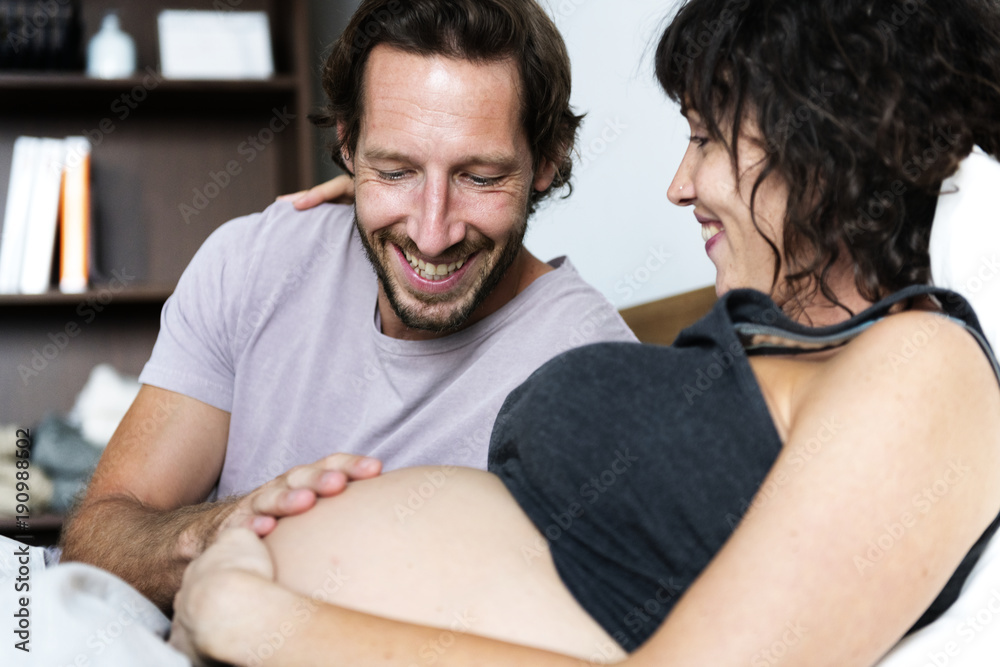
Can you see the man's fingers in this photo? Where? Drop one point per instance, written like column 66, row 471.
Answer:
column 352, row 465
column 281, row 501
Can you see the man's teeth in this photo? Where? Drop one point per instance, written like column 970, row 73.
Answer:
column 709, row 231
column 429, row 271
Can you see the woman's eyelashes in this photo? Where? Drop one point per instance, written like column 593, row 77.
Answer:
column 699, row 140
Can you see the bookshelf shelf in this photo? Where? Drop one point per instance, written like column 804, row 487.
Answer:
column 69, row 82
column 219, row 148
column 145, row 294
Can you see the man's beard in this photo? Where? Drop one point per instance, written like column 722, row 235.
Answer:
column 465, row 303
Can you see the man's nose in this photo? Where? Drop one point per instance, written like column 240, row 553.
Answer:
column 434, row 225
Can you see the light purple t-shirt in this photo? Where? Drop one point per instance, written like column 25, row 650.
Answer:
column 274, row 321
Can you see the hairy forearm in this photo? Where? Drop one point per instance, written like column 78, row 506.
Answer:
column 147, row 547
column 252, row 617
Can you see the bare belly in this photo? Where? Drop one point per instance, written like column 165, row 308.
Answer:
column 444, row 547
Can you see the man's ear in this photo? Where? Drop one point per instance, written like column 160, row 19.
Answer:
column 345, row 154
column 544, row 175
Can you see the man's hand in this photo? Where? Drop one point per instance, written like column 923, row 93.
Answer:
column 143, row 518
column 339, row 190
column 214, row 591
column 292, row 493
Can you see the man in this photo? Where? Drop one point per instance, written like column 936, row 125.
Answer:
column 281, row 345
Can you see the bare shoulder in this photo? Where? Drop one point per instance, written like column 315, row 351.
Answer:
column 917, row 355
column 915, row 382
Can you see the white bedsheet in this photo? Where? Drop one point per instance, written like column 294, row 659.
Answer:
column 78, row 615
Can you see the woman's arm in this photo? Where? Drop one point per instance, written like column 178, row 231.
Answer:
column 230, row 609
column 891, row 471
column 339, row 190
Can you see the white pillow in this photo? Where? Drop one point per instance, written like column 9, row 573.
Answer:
column 965, row 239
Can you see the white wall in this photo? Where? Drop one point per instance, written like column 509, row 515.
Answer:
column 618, row 223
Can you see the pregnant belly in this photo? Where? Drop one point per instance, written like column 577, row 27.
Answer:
column 445, row 547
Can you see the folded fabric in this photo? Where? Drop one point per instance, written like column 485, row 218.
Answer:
column 80, row 615
column 61, row 449
column 102, row 403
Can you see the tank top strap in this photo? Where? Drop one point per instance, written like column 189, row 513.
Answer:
column 763, row 328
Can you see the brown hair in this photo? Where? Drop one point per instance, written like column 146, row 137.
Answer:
column 475, row 30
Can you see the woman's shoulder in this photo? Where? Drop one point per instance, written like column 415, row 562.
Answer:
column 911, row 361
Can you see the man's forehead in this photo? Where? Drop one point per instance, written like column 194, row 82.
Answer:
column 440, row 100
column 454, row 84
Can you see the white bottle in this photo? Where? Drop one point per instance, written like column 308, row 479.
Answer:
column 111, row 52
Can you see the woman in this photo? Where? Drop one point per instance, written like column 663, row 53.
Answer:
column 807, row 475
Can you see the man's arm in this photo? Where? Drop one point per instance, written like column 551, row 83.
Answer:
column 143, row 518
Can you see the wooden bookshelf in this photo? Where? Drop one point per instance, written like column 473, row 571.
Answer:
column 158, row 146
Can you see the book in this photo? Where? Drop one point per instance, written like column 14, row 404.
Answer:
column 15, row 222
column 74, row 270
column 43, row 217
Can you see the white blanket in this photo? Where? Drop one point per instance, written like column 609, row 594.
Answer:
column 76, row 615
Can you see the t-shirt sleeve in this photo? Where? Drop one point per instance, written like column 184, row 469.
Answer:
column 196, row 348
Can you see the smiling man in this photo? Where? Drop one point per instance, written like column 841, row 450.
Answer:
column 392, row 329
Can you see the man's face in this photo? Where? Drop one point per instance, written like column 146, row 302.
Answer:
column 442, row 174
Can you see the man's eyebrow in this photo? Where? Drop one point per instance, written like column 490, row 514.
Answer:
column 497, row 159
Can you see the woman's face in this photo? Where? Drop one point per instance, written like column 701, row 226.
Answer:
column 721, row 201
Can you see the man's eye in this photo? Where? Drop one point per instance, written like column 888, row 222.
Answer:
column 391, row 175
column 483, row 181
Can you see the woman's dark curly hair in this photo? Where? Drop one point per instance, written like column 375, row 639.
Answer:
column 864, row 108
column 481, row 31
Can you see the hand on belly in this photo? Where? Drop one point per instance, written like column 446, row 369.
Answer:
column 445, row 547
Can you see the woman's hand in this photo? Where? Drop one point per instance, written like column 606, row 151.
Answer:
column 339, row 190
column 217, row 592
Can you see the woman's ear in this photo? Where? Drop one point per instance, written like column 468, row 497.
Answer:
column 544, row 175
